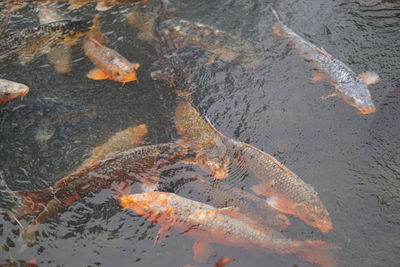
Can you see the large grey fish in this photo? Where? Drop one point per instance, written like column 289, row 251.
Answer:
column 350, row 87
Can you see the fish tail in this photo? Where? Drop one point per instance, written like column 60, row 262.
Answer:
column 314, row 251
column 96, row 33
column 277, row 28
column 32, row 201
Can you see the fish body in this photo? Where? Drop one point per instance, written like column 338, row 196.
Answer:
column 223, row 45
column 41, row 39
column 201, row 136
column 10, row 90
column 139, row 164
column 207, row 224
column 124, row 140
column 61, row 55
column 348, row 86
column 248, row 204
column 288, row 193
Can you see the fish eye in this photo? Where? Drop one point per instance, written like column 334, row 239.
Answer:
column 117, row 73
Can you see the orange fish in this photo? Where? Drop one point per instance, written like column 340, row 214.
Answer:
column 207, row 224
column 124, row 140
column 10, row 90
column 109, row 63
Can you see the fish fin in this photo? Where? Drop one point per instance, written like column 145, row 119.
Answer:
column 259, row 189
column 32, row 201
column 328, row 96
column 162, row 234
column 314, row 251
column 25, row 57
column 201, row 251
column 318, row 76
column 135, row 66
column 102, row 6
column 122, row 189
column 369, row 78
column 96, row 33
column 74, row 5
column 97, row 74
column 322, row 51
column 272, row 201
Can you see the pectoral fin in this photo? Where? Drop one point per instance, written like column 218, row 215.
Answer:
column 328, row 96
column 369, row 77
column 97, row 74
column 102, row 6
column 201, row 251
column 162, row 233
column 318, row 76
column 25, row 57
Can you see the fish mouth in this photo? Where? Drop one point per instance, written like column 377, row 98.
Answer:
column 366, row 110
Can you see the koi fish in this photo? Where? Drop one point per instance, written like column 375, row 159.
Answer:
column 61, row 55
column 41, row 39
column 286, row 191
column 352, row 89
column 123, row 140
column 144, row 22
column 207, row 224
column 10, row 90
column 102, row 5
column 139, row 164
column 247, row 203
column 211, row 153
column 109, row 63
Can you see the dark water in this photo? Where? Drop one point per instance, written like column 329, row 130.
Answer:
column 352, row 160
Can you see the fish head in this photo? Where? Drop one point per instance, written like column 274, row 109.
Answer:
column 122, row 70
column 149, row 204
column 12, row 90
column 314, row 214
column 356, row 94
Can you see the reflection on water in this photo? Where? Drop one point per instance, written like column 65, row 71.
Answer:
column 351, row 160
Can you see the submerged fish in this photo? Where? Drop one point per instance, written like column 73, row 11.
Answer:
column 10, row 90
column 109, row 63
column 211, row 152
column 288, row 193
column 248, row 204
column 207, row 224
column 348, row 86
column 139, row 164
column 61, row 55
column 102, row 5
column 123, row 140
column 41, row 39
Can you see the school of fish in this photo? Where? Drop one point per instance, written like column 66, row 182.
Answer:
column 250, row 219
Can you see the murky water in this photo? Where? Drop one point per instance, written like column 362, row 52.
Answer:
column 351, row 160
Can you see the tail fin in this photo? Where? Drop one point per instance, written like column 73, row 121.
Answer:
column 96, row 33
column 276, row 15
column 315, row 251
column 32, row 201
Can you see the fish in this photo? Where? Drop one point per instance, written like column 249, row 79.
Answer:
column 207, row 224
column 109, row 63
column 126, row 139
column 286, row 191
column 144, row 22
column 247, row 203
column 199, row 135
column 41, row 39
column 10, row 90
column 102, row 5
column 221, row 44
column 138, row 164
column 61, row 55
column 351, row 88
